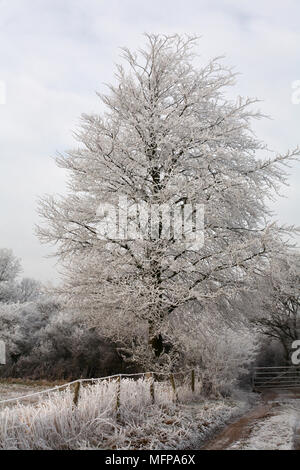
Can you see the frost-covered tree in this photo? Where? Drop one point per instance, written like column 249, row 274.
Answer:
column 279, row 291
column 168, row 136
column 11, row 289
column 28, row 290
column 222, row 354
column 45, row 341
column 42, row 339
column 10, row 267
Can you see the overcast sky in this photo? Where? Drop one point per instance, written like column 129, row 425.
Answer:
column 56, row 53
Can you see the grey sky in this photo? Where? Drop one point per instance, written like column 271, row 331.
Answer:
column 56, row 53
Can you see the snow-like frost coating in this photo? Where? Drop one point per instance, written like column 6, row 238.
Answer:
column 55, row 423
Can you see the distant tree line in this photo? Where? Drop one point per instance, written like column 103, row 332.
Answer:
column 43, row 340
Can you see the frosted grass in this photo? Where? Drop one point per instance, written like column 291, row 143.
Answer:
column 55, row 423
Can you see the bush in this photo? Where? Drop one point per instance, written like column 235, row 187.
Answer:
column 45, row 342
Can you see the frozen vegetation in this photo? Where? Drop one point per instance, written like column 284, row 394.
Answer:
column 56, row 423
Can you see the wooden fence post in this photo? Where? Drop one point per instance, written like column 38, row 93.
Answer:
column 172, row 380
column 193, row 381
column 118, row 400
column 150, row 376
column 76, row 393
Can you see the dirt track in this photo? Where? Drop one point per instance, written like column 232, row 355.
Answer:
column 270, row 425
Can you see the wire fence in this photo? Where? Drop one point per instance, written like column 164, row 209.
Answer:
column 150, row 376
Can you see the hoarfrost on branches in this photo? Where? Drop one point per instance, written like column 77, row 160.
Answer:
column 168, row 136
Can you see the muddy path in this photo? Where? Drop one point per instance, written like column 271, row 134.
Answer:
column 270, row 425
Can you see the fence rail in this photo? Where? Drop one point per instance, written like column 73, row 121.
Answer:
column 150, row 376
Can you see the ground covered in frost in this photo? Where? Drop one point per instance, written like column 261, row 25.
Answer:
column 11, row 389
column 272, row 424
column 275, row 432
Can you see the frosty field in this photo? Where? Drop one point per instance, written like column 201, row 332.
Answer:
column 11, row 389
